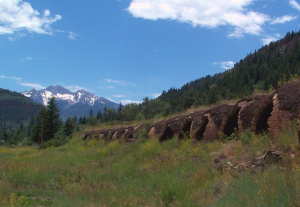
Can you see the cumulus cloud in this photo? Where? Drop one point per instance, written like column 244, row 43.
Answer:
column 283, row 19
column 295, row 4
column 211, row 14
column 19, row 15
column 225, row 65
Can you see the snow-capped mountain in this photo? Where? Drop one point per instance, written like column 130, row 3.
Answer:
column 78, row 103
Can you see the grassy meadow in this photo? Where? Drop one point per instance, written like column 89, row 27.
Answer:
column 149, row 174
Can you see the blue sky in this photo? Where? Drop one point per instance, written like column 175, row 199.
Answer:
column 129, row 49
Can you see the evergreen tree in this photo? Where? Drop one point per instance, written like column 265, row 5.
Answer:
column 53, row 122
column 38, row 134
column 69, row 126
column 47, row 123
column 99, row 116
column 91, row 114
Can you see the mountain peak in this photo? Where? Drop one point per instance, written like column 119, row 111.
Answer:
column 83, row 91
column 70, row 103
column 33, row 90
column 58, row 89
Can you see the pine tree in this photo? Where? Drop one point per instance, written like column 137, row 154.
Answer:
column 47, row 123
column 91, row 114
column 99, row 116
column 53, row 122
column 38, row 134
column 69, row 126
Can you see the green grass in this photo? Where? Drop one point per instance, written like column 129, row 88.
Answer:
column 146, row 173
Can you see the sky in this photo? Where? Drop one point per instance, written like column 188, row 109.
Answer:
column 125, row 50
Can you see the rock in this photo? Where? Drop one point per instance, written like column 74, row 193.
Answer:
column 199, row 122
column 174, row 127
column 123, row 133
column 160, row 131
column 153, row 132
column 254, row 113
column 270, row 157
column 108, row 134
column 222, row 120
column 286, row 107
column 128, row 133
column 259, row 113
column 94, row 135
column 118, row 133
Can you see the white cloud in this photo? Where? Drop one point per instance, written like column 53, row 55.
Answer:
column 32, row 85
column 126, row 102
column 155, row 95
column 72, row 35
column 18, row 15
column 283, row 19
column 108, row 80
column 20, row 81
column 14, row 78
column 119, row 96
column 28, row 58
column 267, row 40
column 109, row 87
column 118, row 99
column 208, row 13
column 118, row 82
column 225, row 65
column 295, row 4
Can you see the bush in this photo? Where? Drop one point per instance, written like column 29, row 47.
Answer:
column 246, row 137
column 59, row 139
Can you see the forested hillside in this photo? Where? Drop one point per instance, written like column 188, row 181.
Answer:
column 16, row 108
column 264, row 69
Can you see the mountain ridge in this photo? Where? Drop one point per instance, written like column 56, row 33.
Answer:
column 263, row 70
column 78, row 103
column 15, row 108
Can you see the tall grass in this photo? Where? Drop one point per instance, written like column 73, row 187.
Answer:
column 145, row 173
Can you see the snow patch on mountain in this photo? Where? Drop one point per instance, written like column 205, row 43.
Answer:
column 62, row 94
column 71, row 104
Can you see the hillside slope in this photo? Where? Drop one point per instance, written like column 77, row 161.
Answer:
column 273, row 113
column 16, row 108
column 265, row 69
